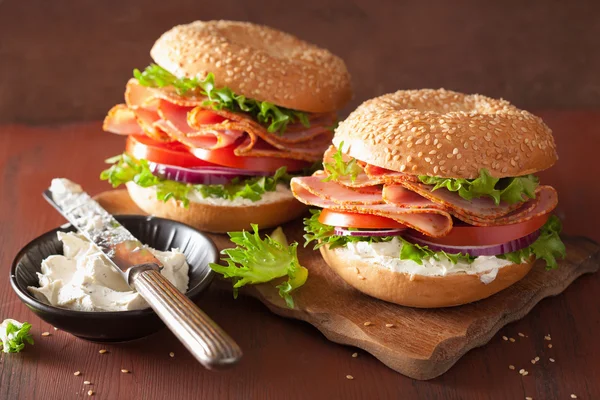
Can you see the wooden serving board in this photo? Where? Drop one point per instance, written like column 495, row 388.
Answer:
column 422, row 344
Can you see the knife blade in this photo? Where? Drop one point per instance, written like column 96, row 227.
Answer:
column 207, row 342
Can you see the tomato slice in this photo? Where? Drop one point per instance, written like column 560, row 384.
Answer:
column 461, row 235
column 172, row 153
column 354, row 220
column 175, row 153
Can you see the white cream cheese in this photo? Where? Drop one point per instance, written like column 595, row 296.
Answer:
column 386, row 255
column 282, row 192
column 83, row 280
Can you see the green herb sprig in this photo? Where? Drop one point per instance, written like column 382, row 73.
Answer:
column 275, row 118
column 510, row 190
column 339, row 168
column 257, row 260
column 14, row 335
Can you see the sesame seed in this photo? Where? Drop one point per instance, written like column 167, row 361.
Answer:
column 551, row 359
column 349, row 377
column 533, row 361
column 528, row 398
column 55, row 328
column 354, row 355
column 389, row 325
column 102, row 351
column 521, row 371
column 125, row 371
column 549, row 345
column 537, row 359
column 77, row 373
column 547, row 337
column 511, row 367
column 573, row 396
column 520, row 334
column 45, row 333
column 87, row 382
column 512, row 340
column 367, row 323
column 171, row 354
column 90, row 392
column 504, row 338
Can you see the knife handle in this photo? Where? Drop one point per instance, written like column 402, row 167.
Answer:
column 211, row 346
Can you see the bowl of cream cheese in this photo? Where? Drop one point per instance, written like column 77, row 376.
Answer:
column 68, row 283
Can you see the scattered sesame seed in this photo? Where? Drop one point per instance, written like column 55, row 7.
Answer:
column 551, row 359
column 549, row 345
column 525, row 373
column 504, row 338
column 171, row 354
column 367, row 323
column 55, row 328
column 87, row 382
column 520, row 334
column 537, row 359
column 547, row 337
column 125, row 371
column 533, row 361
column 77, row 373
column 45, row 333
column 389, row 325
column 349, row 377
column 573, row 396
column 528, row 398
column 354, row 355
column 512, row 340
column 90, row 392
column 521, row 371
column 512, row 367
column 102, row 351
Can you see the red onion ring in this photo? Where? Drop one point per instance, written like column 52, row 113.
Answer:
column 476, row 251
column 209, row 175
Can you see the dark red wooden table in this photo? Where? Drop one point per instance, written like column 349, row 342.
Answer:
column 284, row 358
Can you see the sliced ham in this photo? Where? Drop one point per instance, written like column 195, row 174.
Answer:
column 429, row 221
column 387, row 176
column 336, row 193
column 399, row 195
column 185, row 124
column 174, row 122
column 121, row 120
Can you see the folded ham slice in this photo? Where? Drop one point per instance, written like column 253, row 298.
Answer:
column 433, row 222
column 164, row 115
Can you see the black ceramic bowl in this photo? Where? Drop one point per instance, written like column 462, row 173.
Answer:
column 159, row 233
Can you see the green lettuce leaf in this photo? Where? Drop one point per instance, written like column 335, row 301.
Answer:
column 257, row 260
column 415, row 252
column 547, row 247
column 511, row 190
column 126, row 168
column 340, row 168
column 275, row 118
column 14, row 335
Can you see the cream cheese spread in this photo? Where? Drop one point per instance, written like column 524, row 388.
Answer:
column 83, row 280
column 386, row 255
column 282, row 192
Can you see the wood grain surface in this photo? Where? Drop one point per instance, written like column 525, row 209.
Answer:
column 421, row 344
column 286, row 358
column 65, row 60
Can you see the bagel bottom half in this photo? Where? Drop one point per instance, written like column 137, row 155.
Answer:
column 419, row 290
column 218, row 218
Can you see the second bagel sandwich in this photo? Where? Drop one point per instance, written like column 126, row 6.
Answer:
column 429, row 198
column 229, row 112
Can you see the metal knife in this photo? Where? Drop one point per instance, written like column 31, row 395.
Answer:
column 211, row 346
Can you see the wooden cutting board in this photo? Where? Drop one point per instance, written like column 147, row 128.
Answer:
column 422, row 344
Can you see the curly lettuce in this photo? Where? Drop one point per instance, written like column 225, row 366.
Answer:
column 257, row 260
column 14, row 335
column 340, row 168
column 510, row 190
column 275, row 118
column 548, row 246
column 127, row 168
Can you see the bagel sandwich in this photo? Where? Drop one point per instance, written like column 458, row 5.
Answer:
column 429, row 198
column 220, row 122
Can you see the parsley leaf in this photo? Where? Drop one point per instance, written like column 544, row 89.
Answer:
column 511, row 190
column 275, row 118
column 548, row 246
column 257, row 260
column 340, row 168
column 126, row 168
column 14, row 335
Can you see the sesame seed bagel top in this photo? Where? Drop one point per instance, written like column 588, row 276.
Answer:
column 258, row 62
column 447, row 134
